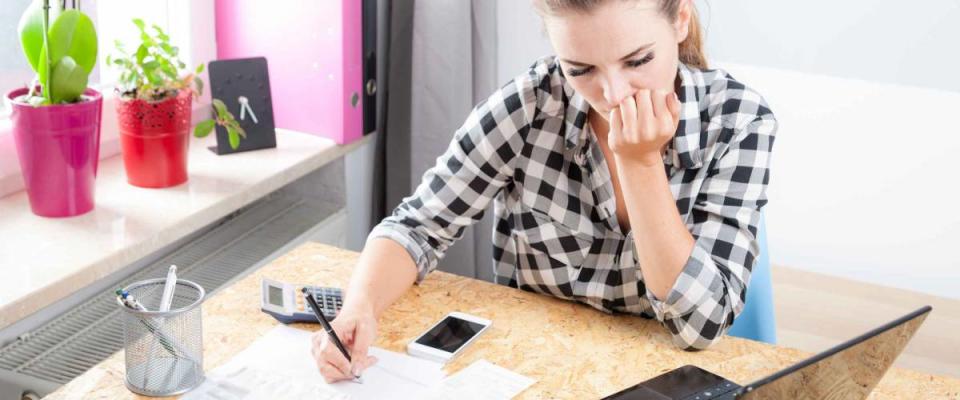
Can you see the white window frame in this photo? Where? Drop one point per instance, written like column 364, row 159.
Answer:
column 191, row 26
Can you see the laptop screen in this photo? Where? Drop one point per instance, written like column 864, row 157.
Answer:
column 848, row 371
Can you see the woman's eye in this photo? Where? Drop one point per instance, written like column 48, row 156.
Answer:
column 632, row 64
column 637, row 63
column 578, row 72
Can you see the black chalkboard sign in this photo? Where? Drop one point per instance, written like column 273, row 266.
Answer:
column 244, row 87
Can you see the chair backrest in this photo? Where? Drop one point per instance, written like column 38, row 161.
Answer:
column 757, row 321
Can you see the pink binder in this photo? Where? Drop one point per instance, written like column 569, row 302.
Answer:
column 314, row 53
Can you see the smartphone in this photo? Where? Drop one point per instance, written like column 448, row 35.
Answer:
column 447, row 338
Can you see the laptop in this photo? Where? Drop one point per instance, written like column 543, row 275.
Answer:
column 848, row 371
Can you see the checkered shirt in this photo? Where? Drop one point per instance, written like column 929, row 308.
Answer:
column 529, row 149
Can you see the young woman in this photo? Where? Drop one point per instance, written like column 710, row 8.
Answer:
column 626, row 176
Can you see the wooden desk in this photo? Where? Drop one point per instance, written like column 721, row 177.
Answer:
column 571, row 350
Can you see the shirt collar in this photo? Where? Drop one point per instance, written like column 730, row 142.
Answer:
column 576, row 110
column 685, row 148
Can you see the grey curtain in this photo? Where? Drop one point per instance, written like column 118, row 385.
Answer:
column 441, row 62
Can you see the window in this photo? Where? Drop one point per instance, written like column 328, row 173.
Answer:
column 113, row 19
column 190, row 25
column 14, row 70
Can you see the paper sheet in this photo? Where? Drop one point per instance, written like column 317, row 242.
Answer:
column 481, row 380
column 279, row 365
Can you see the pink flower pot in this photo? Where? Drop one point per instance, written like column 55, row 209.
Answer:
column 59, row 148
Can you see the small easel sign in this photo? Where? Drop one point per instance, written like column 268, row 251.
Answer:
column 243, row 85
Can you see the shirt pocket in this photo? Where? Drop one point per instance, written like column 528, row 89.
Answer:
column 562, row 245
column 628, row 292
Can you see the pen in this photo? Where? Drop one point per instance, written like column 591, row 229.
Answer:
column 329, row 329
column 127, row 299
column 168, row 287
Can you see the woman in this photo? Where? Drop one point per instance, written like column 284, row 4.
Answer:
column 626, row 175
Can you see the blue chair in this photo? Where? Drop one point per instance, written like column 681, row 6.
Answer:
column 757, row 322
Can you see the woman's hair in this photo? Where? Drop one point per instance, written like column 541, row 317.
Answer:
column 691, row 49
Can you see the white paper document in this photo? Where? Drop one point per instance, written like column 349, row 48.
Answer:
column 481, row 380
column 279, row 365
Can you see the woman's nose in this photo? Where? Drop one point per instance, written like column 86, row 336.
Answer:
column 616, row 89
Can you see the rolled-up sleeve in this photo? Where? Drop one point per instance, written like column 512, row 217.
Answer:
column 709, row 293
column 455, row 192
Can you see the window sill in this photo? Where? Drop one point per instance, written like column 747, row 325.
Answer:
column 56, row 257
column 10, row 179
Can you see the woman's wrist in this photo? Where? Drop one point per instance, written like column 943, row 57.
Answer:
column 651, row 162
column 361, row 304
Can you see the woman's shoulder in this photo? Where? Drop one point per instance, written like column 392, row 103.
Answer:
column 540, row 88
column 544, row 73
column 725, row 100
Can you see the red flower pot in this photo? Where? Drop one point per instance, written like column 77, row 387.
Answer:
column 155, row 138
column 58, row 147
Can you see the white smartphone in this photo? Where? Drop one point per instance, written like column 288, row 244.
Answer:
column 447, row 338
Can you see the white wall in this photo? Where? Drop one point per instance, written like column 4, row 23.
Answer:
column 904, row 42
column 863, row 179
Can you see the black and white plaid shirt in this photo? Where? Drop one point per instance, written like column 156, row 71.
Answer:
column 529, row 148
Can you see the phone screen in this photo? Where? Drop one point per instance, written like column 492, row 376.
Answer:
column 450, row 334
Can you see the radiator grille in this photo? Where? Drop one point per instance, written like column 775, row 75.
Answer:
column 72, row 343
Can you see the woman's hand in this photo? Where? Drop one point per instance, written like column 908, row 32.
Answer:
column 357, row 328
column 642, row 125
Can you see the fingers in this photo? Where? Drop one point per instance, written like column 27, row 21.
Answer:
column 642, row 124
column 646, row 118
column 663, row 119
column 673, row 103
column 658, row 99
column 628, row 110
column 329, row 360
column 333, row 374
column 371, row 360
column 616, row 127
column 364, row 335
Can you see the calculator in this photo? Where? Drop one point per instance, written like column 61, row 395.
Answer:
column 285, row 301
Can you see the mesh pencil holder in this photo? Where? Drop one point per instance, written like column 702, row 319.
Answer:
column 163, row 349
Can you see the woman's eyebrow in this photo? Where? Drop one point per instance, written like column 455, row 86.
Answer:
column 631, row 54
column 637, row 51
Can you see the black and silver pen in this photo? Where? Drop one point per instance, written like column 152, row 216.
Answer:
column 329, row 329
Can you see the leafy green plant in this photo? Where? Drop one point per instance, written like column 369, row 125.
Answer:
column 152, row 73
column 224, row 118
column 62, row 52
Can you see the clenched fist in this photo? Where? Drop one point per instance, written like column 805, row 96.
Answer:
column 642, row 124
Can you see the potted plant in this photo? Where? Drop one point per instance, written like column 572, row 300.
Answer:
column 154, row 110
column 56, row 119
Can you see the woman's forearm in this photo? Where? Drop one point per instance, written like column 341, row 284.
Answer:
column 383, row 273
column 662, row 241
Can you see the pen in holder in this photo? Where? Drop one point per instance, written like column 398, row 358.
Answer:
column 163, row 350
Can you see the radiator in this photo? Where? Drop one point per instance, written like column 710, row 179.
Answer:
column 45, row 358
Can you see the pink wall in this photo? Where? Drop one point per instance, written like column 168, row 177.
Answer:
column 314, row 54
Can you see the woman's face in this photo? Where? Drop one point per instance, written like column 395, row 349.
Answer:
column 618, row 49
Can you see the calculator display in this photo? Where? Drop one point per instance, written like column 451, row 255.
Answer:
column 285, row 302
column 275, row 295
